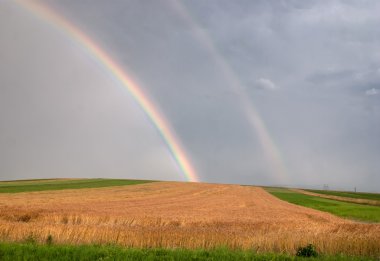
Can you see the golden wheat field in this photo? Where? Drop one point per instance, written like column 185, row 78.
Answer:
column 186, row 215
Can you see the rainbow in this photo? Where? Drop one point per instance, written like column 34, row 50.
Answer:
column 99, row 54
column 269, row 147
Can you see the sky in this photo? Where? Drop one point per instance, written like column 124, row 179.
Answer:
column 257, row 92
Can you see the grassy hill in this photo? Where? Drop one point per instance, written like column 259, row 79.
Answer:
column 60, row 184
column 343, row 209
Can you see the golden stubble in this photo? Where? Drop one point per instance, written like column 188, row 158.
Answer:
column 186, row 215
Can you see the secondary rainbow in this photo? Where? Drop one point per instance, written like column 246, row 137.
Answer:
column 117, row 72
column 253, row 117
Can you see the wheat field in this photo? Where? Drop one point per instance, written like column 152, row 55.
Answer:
column 181, row 215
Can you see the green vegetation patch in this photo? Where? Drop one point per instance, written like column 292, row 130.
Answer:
column 343, row 209
column 360, row 195
column 14, row 251
column 60, row 184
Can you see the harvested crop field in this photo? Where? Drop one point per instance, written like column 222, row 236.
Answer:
column 174, row 214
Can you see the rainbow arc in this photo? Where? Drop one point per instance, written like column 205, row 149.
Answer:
column 114, row 69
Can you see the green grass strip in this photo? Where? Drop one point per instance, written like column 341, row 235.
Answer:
column 360, row 195
column 42, row 185
column 26, row 252
column 342, row 209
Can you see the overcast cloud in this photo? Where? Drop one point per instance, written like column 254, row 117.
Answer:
column 310, row 68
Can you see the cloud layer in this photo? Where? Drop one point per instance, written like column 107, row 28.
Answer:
column 310, row 69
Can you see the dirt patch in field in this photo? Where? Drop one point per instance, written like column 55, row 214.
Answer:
column 174, row 214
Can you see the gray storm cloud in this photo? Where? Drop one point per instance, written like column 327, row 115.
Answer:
column 313, row 67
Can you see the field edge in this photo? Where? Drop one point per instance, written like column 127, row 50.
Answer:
column 32, row 251
column 348, row 210
column 64, row 184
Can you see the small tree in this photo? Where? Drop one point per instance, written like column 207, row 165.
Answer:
column 49, row 240
column 307, row 251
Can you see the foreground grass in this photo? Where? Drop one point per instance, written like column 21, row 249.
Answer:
column 360, row 195
column 339, row 208
column 60, row 184
column 14, row 251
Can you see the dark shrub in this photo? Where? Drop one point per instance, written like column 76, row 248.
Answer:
column 49, row 240
column 307, row 251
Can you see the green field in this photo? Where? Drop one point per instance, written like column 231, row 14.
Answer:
column 343, row 209
column 361, row 195
column 24, row 252
column 60, row 184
